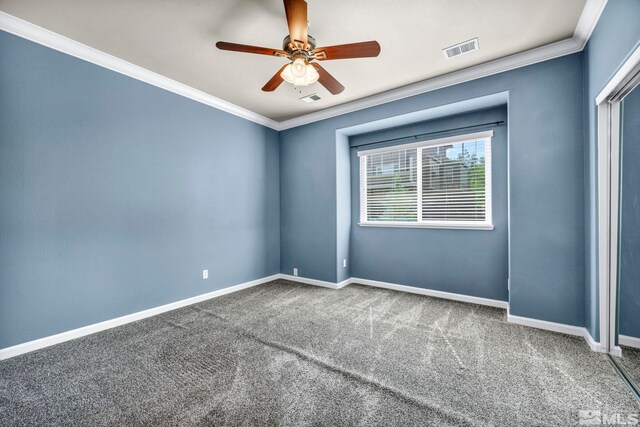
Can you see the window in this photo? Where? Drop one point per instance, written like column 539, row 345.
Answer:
column 442, row 183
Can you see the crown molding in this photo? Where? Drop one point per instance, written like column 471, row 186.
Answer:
column 586, row 24
column 34, row 33
column 588, row 20
column 530, row 57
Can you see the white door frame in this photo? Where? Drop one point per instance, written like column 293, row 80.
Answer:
column 608, row 172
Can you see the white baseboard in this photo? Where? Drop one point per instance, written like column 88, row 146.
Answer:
column 26, row 347
column 549, row 326
column 397, row 287
column 16, row 350
column 595, row 346
column 344, row 283
column 578, row 331
column 431, row 293
column 616, row 351
column 629, row 341
column 314, row 282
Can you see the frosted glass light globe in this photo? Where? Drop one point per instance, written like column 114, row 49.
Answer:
column 308, row 76
column 298, row 68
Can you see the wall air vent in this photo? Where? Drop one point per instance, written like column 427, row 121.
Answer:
column 310, row 98
column 461, row 48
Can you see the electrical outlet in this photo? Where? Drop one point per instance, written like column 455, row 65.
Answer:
column 344, row 263
column 295, row 271
column 205, row 274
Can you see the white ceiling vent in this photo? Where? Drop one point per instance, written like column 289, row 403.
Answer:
column 310, row 98
column 461, row 48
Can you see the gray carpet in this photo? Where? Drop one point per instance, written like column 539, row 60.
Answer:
column 630, row 360
column 290, row 354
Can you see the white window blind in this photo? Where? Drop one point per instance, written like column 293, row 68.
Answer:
column 438, row 183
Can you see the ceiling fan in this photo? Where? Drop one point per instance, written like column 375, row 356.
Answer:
column 300, row 48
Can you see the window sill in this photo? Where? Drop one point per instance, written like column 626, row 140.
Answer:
column 454, row 226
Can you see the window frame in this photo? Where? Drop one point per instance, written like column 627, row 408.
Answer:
column 487, row 224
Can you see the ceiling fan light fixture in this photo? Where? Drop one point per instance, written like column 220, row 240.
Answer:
column 298, row 68
column 300, row 76
column 300, row 48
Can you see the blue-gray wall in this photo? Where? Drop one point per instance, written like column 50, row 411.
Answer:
column 115, row 195
column 468, row 262
column 546, row 157
column 614, row 38
column 113, row 198
column 629, row 294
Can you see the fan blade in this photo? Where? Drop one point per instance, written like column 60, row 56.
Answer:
column 296, row 11
column 327, row 80
column 275, row 81
column 345, row 51
column 250, row 49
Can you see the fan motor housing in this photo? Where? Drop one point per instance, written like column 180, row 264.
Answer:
column 310, row 41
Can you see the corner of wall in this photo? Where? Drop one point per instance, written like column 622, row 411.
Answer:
column 343, row 207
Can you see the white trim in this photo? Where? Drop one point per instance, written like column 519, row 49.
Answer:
column 344, row 283
column 603, row 223
column 525, row 321
column 595, row 346
column 24, row 29
column 619, row 77
column 488, row 181
column 441, row 225
column 577, row 331
column 629, row 341
column 16, row 350
column 562, row 328
column 616, row 351
column 431, row 293
column 487, row 224
column 314, row 282
column 614, row 203
column 588, row 20
column 461, row 138
column 363, row 190
column 518, row 60
column 608, row 182
column 396, row 287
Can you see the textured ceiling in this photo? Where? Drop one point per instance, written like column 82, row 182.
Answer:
column 177, row 39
